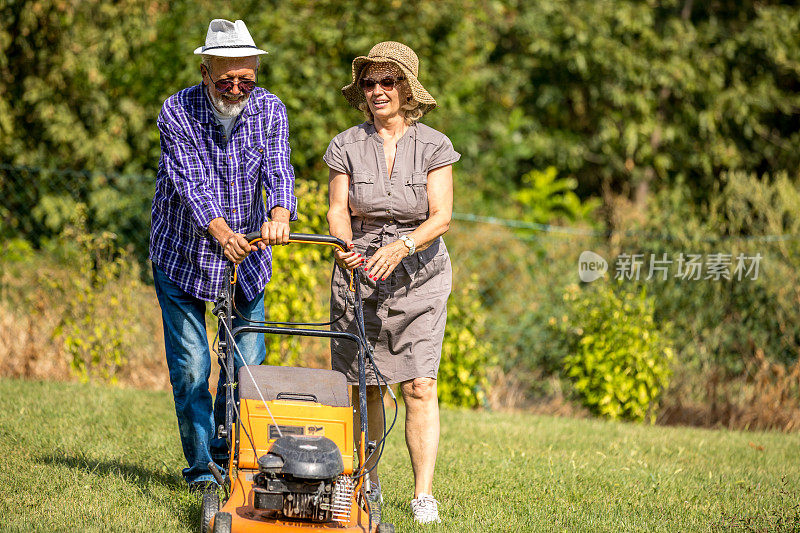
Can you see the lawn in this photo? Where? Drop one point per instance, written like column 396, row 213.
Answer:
column 87, row 458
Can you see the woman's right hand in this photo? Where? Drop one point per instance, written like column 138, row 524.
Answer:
column 348, row 260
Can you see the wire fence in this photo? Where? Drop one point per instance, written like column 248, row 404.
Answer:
column 726, row 295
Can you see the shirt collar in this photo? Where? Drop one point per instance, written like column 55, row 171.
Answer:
column 411, row 132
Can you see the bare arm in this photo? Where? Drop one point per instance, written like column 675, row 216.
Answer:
column 339, row 217
column 440, row 208
column 440, row 212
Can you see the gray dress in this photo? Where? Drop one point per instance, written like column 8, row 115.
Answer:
column 405, row 315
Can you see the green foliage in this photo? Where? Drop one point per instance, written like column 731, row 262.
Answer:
column 466, row 355
column 721, row 325
column 619, row 360
column 545, row 197
column 617, row 92
column 100, row 303
column 627, row 93
column 71, row 94
column 299, row 276
column 17, row 250
column 620, row 96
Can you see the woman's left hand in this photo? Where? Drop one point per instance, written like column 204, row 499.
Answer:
column 385, row 260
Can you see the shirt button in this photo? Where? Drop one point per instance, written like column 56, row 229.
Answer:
column 233, row 210
column 389, row 193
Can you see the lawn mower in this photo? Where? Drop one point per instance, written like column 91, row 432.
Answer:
column 295, row 463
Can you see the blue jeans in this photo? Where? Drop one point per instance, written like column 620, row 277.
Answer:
column 189, row 362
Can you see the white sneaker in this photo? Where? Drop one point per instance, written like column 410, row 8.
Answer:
column 425, row 509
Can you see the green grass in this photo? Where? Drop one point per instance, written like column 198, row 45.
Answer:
column 78, row 457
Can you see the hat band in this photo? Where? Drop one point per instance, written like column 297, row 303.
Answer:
column 229, row 46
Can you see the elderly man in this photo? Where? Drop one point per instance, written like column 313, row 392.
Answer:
column 223, row 142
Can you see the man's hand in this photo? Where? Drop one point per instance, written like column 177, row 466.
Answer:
column 234, row 245
column 276, row 231
column 236, row 248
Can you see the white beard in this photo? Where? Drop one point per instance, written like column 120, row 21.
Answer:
column 226, row 108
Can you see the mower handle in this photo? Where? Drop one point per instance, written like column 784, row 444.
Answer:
column 327, row 240
column 308, row 238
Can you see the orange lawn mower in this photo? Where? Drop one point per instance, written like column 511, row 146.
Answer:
column 295, row 463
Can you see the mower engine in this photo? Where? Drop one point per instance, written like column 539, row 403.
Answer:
column 301, row 478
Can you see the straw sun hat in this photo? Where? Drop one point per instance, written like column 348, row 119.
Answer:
column 390, row 52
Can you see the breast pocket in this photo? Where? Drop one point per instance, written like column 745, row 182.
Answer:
column 416, row 194
column 362, row 189
column 252, row 162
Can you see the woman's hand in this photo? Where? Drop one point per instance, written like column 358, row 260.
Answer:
column 348, row 260
column 385, row 260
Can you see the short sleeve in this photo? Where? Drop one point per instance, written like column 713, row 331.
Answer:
column 334, row 156
column 443, row 155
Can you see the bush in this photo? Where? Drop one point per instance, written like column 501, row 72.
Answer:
column 300, row 276
column 466, row 356
column 101, row 307
column 619, row 361
column 720, row 325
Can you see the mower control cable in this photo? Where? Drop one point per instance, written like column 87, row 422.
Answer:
column 252, row 378
column 367, row 349
column 235, row 407
column 382, row 442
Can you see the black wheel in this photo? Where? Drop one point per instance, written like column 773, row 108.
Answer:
column 222, row 523
column 386, row 528
column 208, row 509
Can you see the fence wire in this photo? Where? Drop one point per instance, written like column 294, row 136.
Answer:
column 726, row 296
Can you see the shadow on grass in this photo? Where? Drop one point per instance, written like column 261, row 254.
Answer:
column 134, row 474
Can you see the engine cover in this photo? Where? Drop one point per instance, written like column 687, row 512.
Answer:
column 303, row 458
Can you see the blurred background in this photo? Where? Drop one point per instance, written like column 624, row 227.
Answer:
column 620, row 127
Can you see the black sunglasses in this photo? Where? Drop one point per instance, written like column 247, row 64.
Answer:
column 224, row 86
column 386, row 83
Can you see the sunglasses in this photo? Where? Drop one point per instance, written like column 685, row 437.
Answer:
column 225, row 86
column 386, row 83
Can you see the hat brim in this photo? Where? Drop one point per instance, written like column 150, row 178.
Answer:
column 230, row 52
column 355, row 95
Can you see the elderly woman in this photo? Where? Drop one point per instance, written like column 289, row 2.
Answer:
column 391, row 199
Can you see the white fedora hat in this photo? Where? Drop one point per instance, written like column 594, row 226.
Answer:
column 228, row 39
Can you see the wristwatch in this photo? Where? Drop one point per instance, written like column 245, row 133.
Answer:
column 409, row 242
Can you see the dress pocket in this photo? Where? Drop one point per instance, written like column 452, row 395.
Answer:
column 429, row 270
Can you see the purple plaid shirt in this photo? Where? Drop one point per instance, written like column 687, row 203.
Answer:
column 202, row 177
